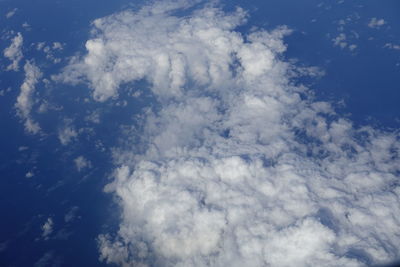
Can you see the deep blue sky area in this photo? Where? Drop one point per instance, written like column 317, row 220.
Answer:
column 363, row 83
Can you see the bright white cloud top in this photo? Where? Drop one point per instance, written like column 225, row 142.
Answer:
column 238, row 167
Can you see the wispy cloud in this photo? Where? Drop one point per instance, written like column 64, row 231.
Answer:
column 25, row 101
column 82, row 163
column 47, row 228
column 11, row 13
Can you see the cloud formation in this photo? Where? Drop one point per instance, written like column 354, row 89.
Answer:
column 25, row 101
column 238, row 166
column 82, row 163
column 14, row 52
column 67, row 133
column 47, row 228
column 376, row 23
column 11, row 13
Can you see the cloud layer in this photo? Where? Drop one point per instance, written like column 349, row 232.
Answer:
column 237, row 166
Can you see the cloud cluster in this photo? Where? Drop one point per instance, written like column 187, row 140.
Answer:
column 14, row 52
column 237, row 166
column 376, row 23
column 25, row 101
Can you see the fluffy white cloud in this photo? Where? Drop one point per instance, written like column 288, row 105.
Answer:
column 376, row 23
column 238, row 167
column 14, row 52
column 47, row 228
column 25, row 101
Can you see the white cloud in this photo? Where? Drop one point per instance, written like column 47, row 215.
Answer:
column 342, row 42
column 93, row 117
column 57, row 46
column 29, row 174
column 14, row 52
column 376, row 23
column 11, row 13
column 352, row 47
column 47, row 228
column 240, row 167
column 23, row 148
column 392, row 46
column 82, row 163
column 71, row 214
column 67, row 133
column 50, row 50
column 25, row 101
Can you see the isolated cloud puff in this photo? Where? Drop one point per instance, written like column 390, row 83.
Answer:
column 82, row 163
column 67, row 133
column 237, row 166
column 14, row 52
column 11, row 13
column 47, row 228
column 25, row 99
column 376, row 23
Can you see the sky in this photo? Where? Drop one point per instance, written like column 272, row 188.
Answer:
column 196, row 133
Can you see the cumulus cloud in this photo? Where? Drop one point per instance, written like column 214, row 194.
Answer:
column 47, row 228
column 25, row 101
column 376, row 23
column 238, row 166
column 82, row 163
column 14, row 52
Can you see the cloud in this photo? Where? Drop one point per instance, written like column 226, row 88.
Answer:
column 376, row 23
column 11, row 13
column 49, row 259
column 342, row 42
column 71, row 214
column 14, row 52
column 47, row 228
column 392, row 46
column 237, row 166
column 25, row 101
column 82, row 163
column 67, row 133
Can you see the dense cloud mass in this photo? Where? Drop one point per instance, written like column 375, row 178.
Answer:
column 238, row 167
